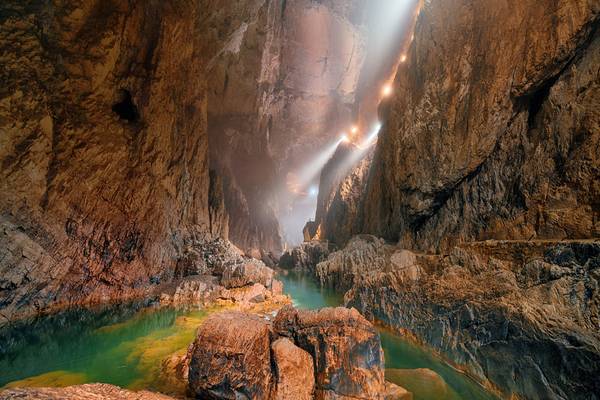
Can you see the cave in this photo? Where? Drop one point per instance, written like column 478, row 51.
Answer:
column 125, row 108
column 333, row 199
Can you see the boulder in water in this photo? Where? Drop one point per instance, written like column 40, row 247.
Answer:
column 231, row 358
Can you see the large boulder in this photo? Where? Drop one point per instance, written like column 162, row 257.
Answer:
column 231, row 358
column 294, row 370
column 346, row 349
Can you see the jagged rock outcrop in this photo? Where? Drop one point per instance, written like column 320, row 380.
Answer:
column 346, row 349
column 306, row 256
column 521, row 315
column 82, row 392
column 104, row 177
column 492, row 130
column 333, row 353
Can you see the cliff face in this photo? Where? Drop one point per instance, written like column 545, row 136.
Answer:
column 281, row 88
column 493, row 128
column 103, row 147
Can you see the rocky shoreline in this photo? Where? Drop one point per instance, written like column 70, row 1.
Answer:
column 289, row 354
column 518, row 316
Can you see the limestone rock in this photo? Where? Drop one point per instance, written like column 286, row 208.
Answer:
column 306, row 256
column 82, row 392
column 488, row 305
column 345, row 347
column 491, row 133
column 294, row 371
column 104, row 150
column 239, row 275
column 231, row 358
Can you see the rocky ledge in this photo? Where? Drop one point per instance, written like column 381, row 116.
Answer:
column 334, row 353
column 217, row 272
column 80, row 392
column 521, row 315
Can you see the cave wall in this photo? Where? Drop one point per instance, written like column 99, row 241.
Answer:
column 281, row 89
column 104, row 148
column 492, row 130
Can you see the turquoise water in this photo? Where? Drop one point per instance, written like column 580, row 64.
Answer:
column 404, row 360
column 123, row 346
column 126, row 346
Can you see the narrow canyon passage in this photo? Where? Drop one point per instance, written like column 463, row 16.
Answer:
column 300, row 199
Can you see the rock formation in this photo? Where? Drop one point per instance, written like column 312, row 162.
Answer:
column 523, row 316
column 104, row 149
column 82, row 392
column 486, row 176
column 487, row 136
column 306, row 256
column 333, row 353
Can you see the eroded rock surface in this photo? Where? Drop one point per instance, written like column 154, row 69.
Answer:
column 522, row 315
column 95, row 391
column 306, row 256
column 294, row 371
column 492, row 131
column 104, row 149
column 231, row 358
column 345, row 346
column 333, row 353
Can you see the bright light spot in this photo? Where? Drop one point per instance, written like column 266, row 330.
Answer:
column 412, row 37
column 387, row 90
column 354, row 129
column 371, row 139
column 313, row 191
column 345, row 138
column 403, row 58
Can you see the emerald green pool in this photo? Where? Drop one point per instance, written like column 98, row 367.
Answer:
column 126, row 345
column 123, row 346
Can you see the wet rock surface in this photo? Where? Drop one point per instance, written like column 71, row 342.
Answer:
column 333, row 353
column 521, row 315
column 82, row 392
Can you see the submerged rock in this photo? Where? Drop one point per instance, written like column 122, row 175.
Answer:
column 427, row 383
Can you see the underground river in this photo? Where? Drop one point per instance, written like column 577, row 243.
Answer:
column 126, row 345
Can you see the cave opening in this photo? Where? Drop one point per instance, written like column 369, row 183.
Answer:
column 125, row 108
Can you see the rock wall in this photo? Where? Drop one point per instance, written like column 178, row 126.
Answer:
column 280, row 90
column 521, row 316
column 492, row 129
column 104, row 148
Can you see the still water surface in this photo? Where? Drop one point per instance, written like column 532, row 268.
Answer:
column 125, row 346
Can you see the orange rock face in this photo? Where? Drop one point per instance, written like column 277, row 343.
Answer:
column 294, row 371
column 231, row 358
column 333, row 353
column 345, row 346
